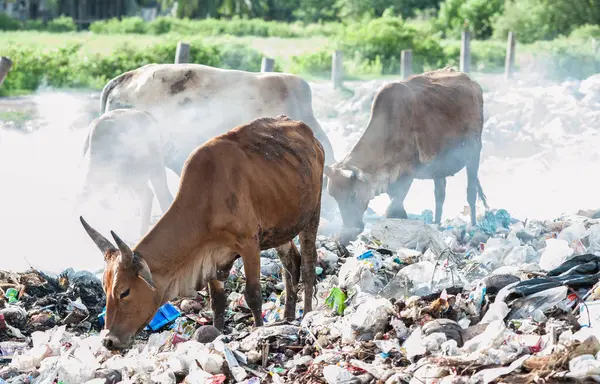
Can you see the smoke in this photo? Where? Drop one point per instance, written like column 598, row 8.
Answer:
column 538, row 161
column 42, row 173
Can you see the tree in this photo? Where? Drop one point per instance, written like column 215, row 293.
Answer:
column 545, row 19
column 312, row 11
column 475, row 15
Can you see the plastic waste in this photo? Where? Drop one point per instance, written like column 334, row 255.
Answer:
column 414, row 345
column 497, row 311
column 412, row 234
column 491, row 221
column 328, row 258
column 573, row 232
column 536, row 304
column 426, row 216
column 594, row 240
column 12, row 295
column 357, row 275
column 337, row 375
column 270, row 267
column 557, row 251
column 371, row 317
column 336, row 300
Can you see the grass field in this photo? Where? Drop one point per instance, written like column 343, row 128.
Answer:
column 105, row 44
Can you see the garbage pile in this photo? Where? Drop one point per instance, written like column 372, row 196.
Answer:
column 407, row 302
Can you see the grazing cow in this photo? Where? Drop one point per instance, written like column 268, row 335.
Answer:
column 125, row 151
column 426, row 127
column 195, row 103
column 253, row 188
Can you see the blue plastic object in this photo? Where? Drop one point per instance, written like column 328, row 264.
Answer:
column 164, row 316
column 426, row 216
column 366, row 255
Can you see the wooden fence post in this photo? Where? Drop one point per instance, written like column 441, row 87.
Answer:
column 182, row 54
column 5, row 65
column 465, row 52
column 337, row 68
column 267, row 64
column 510, row 56
column 405, row 63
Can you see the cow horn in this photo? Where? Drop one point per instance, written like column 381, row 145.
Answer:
column 126, row 254
column 101, row 241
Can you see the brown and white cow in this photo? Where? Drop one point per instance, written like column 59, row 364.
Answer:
column 194, row 103
column 125, row 151
column 426, row 127
column 250, row 189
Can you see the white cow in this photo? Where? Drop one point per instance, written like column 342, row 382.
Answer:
column 194, row 103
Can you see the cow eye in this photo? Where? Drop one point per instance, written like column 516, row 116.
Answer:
column 125, row 293
column 353, row 196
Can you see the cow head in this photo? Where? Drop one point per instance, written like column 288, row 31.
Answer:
column 350, row 187
column 132, row 298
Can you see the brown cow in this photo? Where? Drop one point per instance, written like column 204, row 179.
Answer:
column 125, row 151
column 426, row 127
column 253, row 188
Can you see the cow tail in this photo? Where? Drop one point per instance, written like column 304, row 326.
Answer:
column 108, row 88
column 86, row 145
column 482, row 195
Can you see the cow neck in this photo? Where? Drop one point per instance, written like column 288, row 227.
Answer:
column 166, row 249
column 368, row 154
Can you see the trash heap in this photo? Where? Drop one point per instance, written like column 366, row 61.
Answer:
column 407, row 302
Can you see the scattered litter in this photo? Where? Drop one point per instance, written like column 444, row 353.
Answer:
column 409, row 302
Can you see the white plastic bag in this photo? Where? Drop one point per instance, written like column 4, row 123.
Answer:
column 594, row 239
column 557, row 251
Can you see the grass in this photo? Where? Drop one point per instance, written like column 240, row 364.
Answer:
column 105, row 44
column 16, row 116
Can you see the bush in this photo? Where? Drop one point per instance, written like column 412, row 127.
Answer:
column 527, row 19
column 475, row 15
column 212, row 27
column 65, row 67
column 7, row 23
column 115, row 26
column 486, row 56
column 562, row 58
column 585, row 32
column 317, row 63
column 384, row 38
column 62, row 24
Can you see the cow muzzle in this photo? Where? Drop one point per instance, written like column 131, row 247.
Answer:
column 113, row 343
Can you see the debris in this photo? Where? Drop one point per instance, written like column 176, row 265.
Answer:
column 388, row 310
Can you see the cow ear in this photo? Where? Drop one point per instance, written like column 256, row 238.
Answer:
column 328, row 171
column 143, row 271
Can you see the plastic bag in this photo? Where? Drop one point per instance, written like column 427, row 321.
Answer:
column 336, row 300
column 412, row 234
column 371, row 317
column 354, row 273
column 557, row 251
column 594, row 240
column 573, row 232
column 535, row 305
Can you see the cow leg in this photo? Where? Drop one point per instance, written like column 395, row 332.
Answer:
column 161, row 188
column 144, row 195
column 473, row 183
column 218, row 302
column 290, row 258
column 440, row 196
column 398, row 192
column 251, row 258
column 308, row 238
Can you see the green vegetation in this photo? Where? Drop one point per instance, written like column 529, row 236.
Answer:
column 554, row 35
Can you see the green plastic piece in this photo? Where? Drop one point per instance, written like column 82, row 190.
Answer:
column 336, row 300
